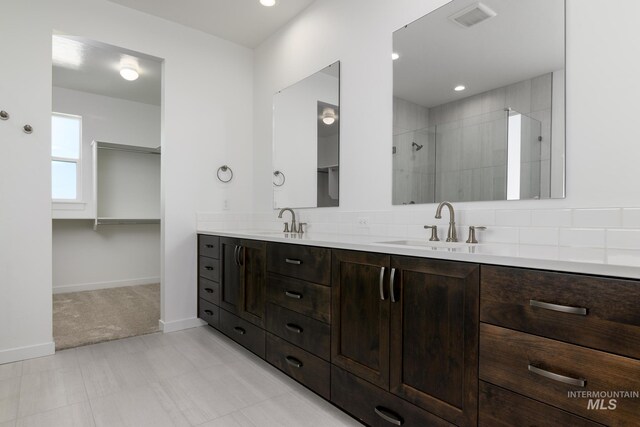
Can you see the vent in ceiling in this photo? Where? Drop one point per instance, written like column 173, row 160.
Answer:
column 472, row 15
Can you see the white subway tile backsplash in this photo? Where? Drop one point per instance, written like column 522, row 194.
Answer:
column 596, row 234
column 551, row 217
column 596, row 218
column 597, row 255
column 623, row 239
column 623, row 257
column 500, row 235
column 539, row 236
column 585, row 237
column 484, row 217
column 515, row 218
column 631, row 217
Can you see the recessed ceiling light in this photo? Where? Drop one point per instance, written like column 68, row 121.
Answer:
column 395, row 56
column 129, row 73
column 459, row 88
column 268, row 3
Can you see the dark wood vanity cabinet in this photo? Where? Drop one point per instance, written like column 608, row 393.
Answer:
column 397, row 340
column 409, row 326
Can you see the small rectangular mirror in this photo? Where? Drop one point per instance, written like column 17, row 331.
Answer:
column 306, row 142
column 479, row 103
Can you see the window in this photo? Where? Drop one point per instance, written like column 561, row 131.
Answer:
column 66, row 143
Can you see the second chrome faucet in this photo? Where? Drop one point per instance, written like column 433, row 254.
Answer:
column 452, row 235
column 295, row 228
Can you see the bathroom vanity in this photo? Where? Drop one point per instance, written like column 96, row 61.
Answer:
column 398, row 335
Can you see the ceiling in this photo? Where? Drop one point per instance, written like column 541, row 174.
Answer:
column 94, row 67
column 524, row 40
column 245, row 22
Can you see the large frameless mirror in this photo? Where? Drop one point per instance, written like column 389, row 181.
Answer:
column 479, row 103
column 306, row 142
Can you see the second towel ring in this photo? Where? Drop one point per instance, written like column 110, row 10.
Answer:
column 223, row 169
column 276, row 173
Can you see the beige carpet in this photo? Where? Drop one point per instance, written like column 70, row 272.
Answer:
column 81, row 318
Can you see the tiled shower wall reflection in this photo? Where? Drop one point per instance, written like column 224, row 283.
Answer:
column 468, row 138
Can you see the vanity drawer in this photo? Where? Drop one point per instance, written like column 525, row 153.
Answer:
column 209, row 246
column 209, row 313
column 310, row 299
column 306, row 368
column 209, row 290
column 304, row 262
column 244, row 333
column 606, row 315
column 305, row 332
column 209, row 268
column 371, row 404
column 546, row 370
column 502, row 408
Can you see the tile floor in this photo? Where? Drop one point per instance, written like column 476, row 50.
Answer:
column 195, row 377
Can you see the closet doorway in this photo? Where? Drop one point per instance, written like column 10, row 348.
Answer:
column 106, row 160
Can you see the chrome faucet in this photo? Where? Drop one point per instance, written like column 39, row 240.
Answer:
column 293, row 221
column 452, row 236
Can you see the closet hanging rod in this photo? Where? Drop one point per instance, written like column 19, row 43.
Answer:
column 129, row 148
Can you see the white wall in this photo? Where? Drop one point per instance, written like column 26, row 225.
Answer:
column 115, row 255
column 207, row 98
column 602, row 134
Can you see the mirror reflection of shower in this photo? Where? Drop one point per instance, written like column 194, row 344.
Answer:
column 418, row 147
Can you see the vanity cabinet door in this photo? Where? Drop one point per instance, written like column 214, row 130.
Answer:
column 360, row 315
column 253, row 279
column 434, row 336
column 230, row 275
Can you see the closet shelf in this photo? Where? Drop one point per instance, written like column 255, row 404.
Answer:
column 124, row 221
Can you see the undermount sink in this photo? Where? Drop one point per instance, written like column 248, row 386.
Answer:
column 429, row 245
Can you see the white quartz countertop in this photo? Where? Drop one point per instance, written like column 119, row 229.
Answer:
column 514, row 255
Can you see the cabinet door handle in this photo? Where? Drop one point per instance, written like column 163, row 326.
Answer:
column 382, row 283
column 240, row 330
column 582, row 311
column 240, row 255
column 208, row 267
column 293, row 295
column 208, row 245
column 578, row 382
column 392, row 285
column 292, row 261
column 209, row 312
column 208, row 290
column 293, row 362
column 294, row 328
column 388, row 415
column 235, row 255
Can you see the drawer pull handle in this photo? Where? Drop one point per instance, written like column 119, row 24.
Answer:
column 293, row 295
column 578, row 382
column 208, row 267
column 388, row 415
column 208, row 290
column 294, row 328
column 292, row 261
column 240, row 330
column 210, row 246
column 293, row 362
column 381, row 283
column 209, row 312
column 561, row 308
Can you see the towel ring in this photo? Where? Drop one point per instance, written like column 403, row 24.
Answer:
column 224, row 168
column 276, row 173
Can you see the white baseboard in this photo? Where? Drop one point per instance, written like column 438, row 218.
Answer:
column 63, row 289
column 28, row 352
column 178, row 325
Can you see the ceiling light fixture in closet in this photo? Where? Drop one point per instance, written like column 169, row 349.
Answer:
column 129, row 73
column 395, row 56
column 328, row 116
column 268, row 3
